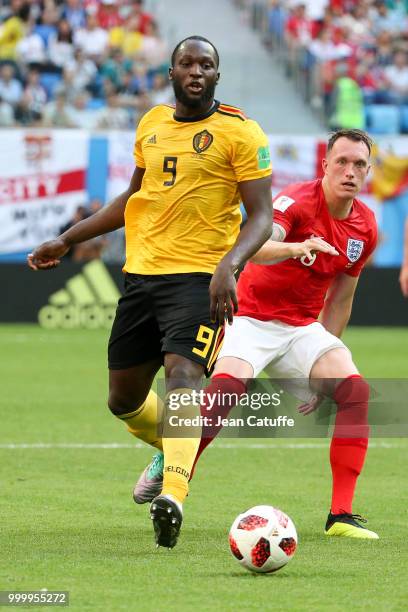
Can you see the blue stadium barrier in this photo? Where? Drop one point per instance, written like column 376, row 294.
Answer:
column 383, row 119
column 391, row 237
column 98, row 168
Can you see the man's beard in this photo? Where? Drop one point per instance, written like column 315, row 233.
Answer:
column 181, row 96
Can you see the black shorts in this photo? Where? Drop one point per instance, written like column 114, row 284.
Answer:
column 164, row 313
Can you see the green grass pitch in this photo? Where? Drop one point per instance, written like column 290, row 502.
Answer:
column 68, row 521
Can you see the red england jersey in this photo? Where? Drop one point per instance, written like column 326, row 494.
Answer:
column 293, row 291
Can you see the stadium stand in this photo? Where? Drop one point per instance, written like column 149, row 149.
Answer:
column 79, row 63
column 320, row 43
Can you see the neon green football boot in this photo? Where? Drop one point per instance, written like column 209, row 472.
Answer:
column 348, row 526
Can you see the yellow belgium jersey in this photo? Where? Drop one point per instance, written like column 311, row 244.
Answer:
column 186, row 215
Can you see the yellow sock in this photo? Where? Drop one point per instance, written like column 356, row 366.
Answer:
column 180, row 442
column 145, row 421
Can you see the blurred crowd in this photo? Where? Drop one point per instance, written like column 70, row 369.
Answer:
column 80, row 63
column 349, row 58
column 111, row 247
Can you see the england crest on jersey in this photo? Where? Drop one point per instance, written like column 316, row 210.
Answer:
column 354, row 249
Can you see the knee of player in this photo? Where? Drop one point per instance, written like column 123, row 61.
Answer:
column 363, row 388
column 352, row 397
column 119, row 403
column 182, row 373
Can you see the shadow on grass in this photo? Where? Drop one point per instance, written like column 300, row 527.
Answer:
column 289, row 573
column 246, row 575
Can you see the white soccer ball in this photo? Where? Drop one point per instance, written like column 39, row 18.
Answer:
column 263, row 539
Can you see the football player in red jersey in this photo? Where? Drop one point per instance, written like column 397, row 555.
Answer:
column 292, row 313
column 295, row 299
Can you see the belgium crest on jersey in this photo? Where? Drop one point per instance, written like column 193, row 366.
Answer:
column 202, row 141
column 354, row 249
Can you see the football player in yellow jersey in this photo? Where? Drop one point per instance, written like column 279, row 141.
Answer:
column 194, row 164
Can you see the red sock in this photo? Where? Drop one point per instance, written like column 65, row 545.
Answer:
column 227, row 390
column 350, row 440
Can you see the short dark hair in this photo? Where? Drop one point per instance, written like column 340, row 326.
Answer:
column 352, row 134
column 194, row 37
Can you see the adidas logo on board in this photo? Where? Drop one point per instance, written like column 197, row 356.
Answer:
column 89, row 301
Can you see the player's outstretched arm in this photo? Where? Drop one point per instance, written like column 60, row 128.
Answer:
column 338, row 304
column 108, row 219
column 257, row 199
column 275, row 251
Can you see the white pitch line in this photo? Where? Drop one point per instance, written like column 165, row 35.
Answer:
column 221, row 445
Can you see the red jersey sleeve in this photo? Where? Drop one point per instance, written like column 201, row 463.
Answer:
column 285, row 211
column 367, row 252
